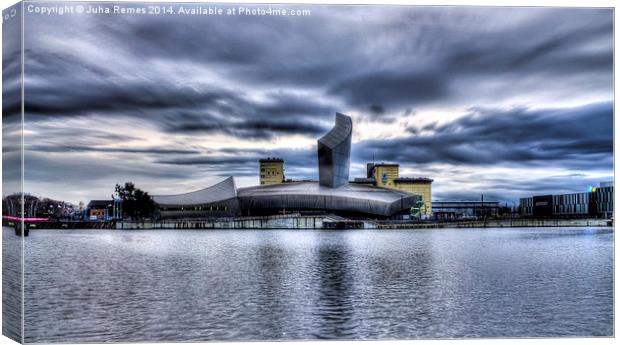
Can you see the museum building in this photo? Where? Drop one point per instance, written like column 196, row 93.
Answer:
column 332, row 194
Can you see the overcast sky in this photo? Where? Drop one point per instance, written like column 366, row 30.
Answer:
column 505, row 102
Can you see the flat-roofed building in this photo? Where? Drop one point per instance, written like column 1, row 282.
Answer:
column 420, row 186
column 596, row 202
column 271, row 171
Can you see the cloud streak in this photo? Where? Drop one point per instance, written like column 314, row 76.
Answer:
column 176, row 100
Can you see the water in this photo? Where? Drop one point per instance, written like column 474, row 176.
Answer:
column 99, row 285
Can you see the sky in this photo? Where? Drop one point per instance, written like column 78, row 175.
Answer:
column 505, row 102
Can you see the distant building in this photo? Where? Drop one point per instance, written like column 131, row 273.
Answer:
column 104, row 210
column 98, row 209
column 597, row 202
column 452, row 210
column 387, row 175
column 271, row 171
column 417, row 185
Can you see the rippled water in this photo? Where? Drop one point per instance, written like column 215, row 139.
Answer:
column 95, row 286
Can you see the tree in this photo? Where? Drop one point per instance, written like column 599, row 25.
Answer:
column 137, row 203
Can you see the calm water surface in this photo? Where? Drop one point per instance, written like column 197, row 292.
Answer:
column 99, row 285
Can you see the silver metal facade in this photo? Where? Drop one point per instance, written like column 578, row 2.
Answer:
column 334, row 151
column 350, row 198
column 215, row 201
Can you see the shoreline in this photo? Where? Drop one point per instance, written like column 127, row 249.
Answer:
column 313, row 222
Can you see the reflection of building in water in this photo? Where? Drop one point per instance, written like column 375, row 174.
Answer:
column 596, row 202
column 335, row 305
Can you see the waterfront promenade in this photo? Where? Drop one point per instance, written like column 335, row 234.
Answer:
column 335, row 222
column 299, row 221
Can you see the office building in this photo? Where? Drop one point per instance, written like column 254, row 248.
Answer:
column 595, row 202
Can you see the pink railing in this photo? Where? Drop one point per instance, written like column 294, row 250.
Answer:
column 25, row 219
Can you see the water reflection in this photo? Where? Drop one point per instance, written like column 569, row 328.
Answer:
column 334, row 307
column 11, row 284
column 94, row 286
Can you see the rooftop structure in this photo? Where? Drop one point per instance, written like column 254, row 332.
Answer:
column 271, row 159
column 334, row 150
column 271, row 171
column 404, row 180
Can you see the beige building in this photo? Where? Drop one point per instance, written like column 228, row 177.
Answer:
column 384, row 174
column 420, row 186
column 387, row 176
column 271, row 171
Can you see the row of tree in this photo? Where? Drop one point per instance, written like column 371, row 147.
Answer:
column 28, row 205
column 137, row 204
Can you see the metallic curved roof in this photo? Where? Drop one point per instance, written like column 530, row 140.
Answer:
column 307, row 195
column 220, row 191
column 314, row 188
column 312, row 195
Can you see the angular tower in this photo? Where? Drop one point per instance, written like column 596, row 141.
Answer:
column 334, row 150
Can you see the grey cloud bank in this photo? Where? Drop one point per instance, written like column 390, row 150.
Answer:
column 165, row 99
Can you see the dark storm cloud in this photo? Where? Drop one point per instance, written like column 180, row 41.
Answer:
column 510, row 189
column 281, row 114
column 175, row 108
column 64, row 148
column 250, row 129
column 82, row 89
column 576, row 137
column 374, row 91
column 300, row 163
column 550, row 46
column 38, row 167
column 371, row 59
column 175, row 80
